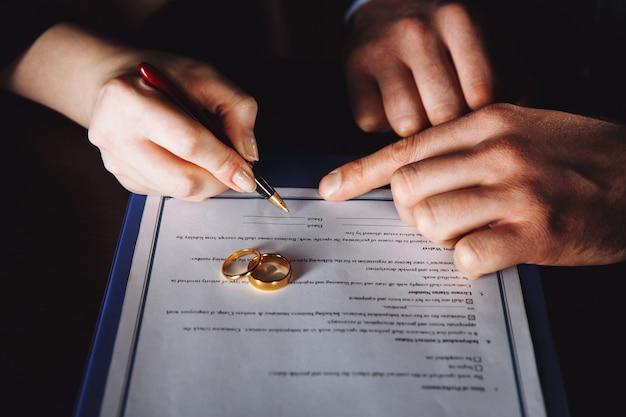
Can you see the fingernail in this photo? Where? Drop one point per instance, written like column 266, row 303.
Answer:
column 330, row 184
column 244, row 181
column 250, row 148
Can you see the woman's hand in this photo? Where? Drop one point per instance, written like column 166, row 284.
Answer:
column 146, row 141
column 412, row 64
column 153, row 147
column 506, row 185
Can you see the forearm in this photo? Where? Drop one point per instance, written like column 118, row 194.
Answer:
column 65, row 68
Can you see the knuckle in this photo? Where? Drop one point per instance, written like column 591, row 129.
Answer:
column 115, row 88
column 403, row 182
column 246, row 104
column 511, row 148
column 513, row 152
column 499, row 114
column 369, row 121
column 112, row 168
column 403, row 152
column 426, row 221
column 113, row 99
column 96, row 137
column 479, row 94
column 357, row 169
column 396, row 96
column 509, row 156
column 188, row 142
column 468, row 256
column 227, row 162
column 444, row 112
column 186, row 186
column 366, row 56
column 541, row 219
column 411, row 28
column 398, row 186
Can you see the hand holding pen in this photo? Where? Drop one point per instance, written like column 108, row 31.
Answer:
column 159, row 81
column 154, row 147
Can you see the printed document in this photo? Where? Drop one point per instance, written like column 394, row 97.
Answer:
column 376, row 322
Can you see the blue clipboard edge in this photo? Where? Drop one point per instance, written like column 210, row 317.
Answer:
column 546, row 358
column 101, row 351
column 96, row 370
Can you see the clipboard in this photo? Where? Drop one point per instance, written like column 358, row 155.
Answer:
column 96, row 369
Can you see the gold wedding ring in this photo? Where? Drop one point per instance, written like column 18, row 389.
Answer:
column 272, row 273
column 233, row 257
column 267, row 271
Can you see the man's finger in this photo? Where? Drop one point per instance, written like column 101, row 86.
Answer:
column 435, row 77
column 489, row 250
column 366, row 102
column 468, row 53
column 401, row 100
column 375, row 170
column 448, row 216
column 420, row 180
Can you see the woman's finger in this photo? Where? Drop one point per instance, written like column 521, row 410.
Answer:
column 170, row 175
column 184, row 137
column 236, row 109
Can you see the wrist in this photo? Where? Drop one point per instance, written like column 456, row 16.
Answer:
column 65, row 68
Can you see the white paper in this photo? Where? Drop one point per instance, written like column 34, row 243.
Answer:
column 376, row 323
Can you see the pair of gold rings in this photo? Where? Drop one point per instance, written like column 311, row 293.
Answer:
column 265, row 271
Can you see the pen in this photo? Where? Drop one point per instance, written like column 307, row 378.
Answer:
column 157, row 80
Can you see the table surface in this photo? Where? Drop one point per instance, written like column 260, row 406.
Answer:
column 63, row 212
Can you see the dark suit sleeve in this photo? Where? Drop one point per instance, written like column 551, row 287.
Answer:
column 20, row 25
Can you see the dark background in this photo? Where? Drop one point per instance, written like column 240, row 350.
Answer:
column 63, row 211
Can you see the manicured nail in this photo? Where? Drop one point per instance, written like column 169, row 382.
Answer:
column 330, row 184
column 250, row 148
column 244, row 181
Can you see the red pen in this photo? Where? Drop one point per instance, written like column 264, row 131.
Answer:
column 157, row 80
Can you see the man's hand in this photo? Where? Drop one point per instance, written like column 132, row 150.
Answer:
column 506, row 185
column 415, row 63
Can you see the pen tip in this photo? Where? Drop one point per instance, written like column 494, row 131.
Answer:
column 276, row 200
